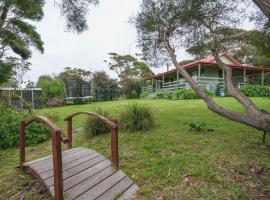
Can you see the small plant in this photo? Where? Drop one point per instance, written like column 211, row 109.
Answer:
column 196, row 126
column 136, row 118
column 94, row 126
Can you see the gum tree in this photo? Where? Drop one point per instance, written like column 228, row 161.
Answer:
column 165, row 25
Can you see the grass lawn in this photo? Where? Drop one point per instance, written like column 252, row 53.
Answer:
column 169, row 161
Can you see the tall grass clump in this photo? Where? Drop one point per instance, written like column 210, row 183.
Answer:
column 94, row 126
column 136, row 118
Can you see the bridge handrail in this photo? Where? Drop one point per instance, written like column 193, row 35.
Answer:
column 57, row 138
column 114, row 133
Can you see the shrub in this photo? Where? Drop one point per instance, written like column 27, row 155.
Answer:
column 160, row 96
column 133, row 94
column 185, row 93
column 256, row 91
column 169, row 95
column 136, row 118
column 9, row 133
column 144, row 94
column 94, row 126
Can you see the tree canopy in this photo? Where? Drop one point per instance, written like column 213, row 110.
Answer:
column 165, row 25
column 127, row 66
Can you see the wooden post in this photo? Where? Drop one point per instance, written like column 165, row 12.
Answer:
column 22, row 144
column 69, row 132
column 156, row 85
column 57, row 165
column 262, row 78
column 114, row 145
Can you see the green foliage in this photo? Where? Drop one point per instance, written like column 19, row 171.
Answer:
column 5, row 71
column 9, row 133
column 94, row 126
column 103, row 87
column 185, row 93
column 182, row 94
column 127, row 66
column 196, row 126
column 160, row 95
column 17, row 34
column 51, row 87
column 136, row 118
column 144, row 94
column 256, row 91
column 131, row 89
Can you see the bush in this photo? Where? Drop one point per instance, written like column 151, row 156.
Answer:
column 144, row 94
column 133, row 94
column 136, row 118
column 185, row 93
column 256, row 91
column 169, row 95
column 160, row 96
column 9, row 133
column 94, row 126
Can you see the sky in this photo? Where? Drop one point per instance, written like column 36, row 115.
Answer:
column 109, row 31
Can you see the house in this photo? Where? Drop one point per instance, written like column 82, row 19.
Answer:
column 208, row 74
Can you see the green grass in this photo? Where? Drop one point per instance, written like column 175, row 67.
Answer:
column 168, row 161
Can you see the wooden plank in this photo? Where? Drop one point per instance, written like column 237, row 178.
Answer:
column 102, row 187
column 84, row 186
column 70, row 164
column 33, row 162
column 116, row 191
column 78, row 178
column 46, row 166
column 129, row 193
column 75, row 170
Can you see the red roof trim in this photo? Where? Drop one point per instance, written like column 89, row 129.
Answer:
column 209, row 64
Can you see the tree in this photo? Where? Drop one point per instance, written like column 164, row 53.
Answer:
column 167, row 24
column 51, row 87
column 264, row 5
column 127, row 66
column 75, row 12
column 130, row 71
column 17, row 35
column 75, row 74
column 249, row 47
column 103, row 83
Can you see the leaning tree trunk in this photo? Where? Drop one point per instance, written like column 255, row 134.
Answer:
column 264, row 5
column 253, row 117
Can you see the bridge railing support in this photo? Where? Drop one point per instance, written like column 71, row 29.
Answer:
column 57, row 138
column 114, row 133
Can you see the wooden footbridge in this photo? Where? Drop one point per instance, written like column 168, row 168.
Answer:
column 78, row 173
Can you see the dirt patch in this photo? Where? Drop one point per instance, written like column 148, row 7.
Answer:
column 254, row 179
